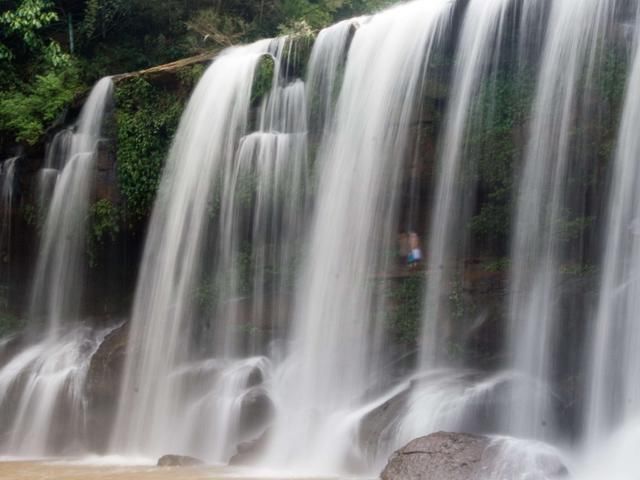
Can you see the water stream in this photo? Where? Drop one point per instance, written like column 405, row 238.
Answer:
column 56, row 293
column 547, row 200
column 42, row 396
column 260, row 321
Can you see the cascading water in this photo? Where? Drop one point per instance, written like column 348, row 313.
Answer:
column 7, row 190
column 263, row 215
column 54, row 161
column 150, row 407
column 335, row 352
column 572, row 50
column 42, row 387
column 475, row 64
column 238, row 196
column 326, row 67
column 57, row 287
column 232, row 341
column 614, row 357
column 42, row 398
column 442, row 398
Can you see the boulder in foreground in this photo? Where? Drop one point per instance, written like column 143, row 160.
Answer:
column 178, row 461
column 461, row 456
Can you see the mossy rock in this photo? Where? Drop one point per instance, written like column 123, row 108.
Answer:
column 263, row 79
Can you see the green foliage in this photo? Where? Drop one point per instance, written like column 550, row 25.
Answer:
column 37, row 79
column 30, row 215
column 216, row 28
column 214, row 287
column 104, row 220
column 498, row 265
column 350, row 8
column 147, row 117
column 9, row 324
column 299, row 44
column 457, row 304
column 613, row 77
column 38, row 76
column 493, row 220
column 297, row 29
column 496, row 142
column 263, row 79
column 404, row 298
column 303, row 14
column 207, row 295
column 190, row 76
column 316, row 14
column 21, row 32
column 104, row 225
column 117, row 36
column 577, row 270
column 100, row 16
column 246, row 187
column 570, row 227
column 25, row 113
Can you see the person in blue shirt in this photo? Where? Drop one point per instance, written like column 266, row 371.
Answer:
column 415, row 253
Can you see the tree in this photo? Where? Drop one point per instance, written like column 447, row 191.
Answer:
column 21, row 33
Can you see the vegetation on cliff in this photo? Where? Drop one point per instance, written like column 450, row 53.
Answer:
column 50, row 50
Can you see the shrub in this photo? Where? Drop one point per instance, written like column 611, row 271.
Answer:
column 147, row 117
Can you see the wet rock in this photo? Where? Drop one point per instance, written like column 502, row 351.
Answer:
column 441, row 456
column 377, row 427
column 256, row 378
column 461, row 456
column 178, row 461
column 247, row 452
column 107, row 365
column 256, row 412
column 103, row 380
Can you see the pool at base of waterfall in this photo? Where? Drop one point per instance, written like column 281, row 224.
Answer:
column 106, row 469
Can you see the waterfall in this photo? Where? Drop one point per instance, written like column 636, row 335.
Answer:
column 237, row 196
column 614, row 357
column 263, row 215
column 150, row 410
column 476, row 60
column 56, row 156
column 7, row 192
column 57, row 287
column 335, row 352
column 42, row 387
column 326, row 67
column 546, row 199
column 42, row 395
column 261, row 321
column 431, row 405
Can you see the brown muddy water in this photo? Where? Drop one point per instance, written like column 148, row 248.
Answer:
column 61, row 470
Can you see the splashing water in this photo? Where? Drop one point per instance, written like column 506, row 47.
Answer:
column 42, row 395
